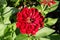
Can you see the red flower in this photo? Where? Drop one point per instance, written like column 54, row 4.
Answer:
column 29, row 21
column 48, row 2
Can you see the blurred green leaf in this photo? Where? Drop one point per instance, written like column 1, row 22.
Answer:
column 50, row 21
column 13, row 0
column 2, row 28
column 44, row 39
column 38, row 0
column 3, row 3
column 14, row 36
column 44, row 32
column 11, row 28
column 14, row 26
column 10, row 37
column 8, row 11
column 53, row 7
column 9, row 32
column 39, row 8
column 53, row 37
column 21, row 37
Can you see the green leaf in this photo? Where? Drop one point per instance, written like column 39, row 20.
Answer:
column 39, row 8
column 44, row 39
column 38, row 0
column 8, row 11
column 9, row 32
column 10, row 28
column 50, row 21
column 44, row 32
column 21, row 37
column 3, row 3
column 53, row 37
column 14, row 35
column 14, row 26
column 13, row 0
column 53, row 7
column 10, row 37
column 2, row 28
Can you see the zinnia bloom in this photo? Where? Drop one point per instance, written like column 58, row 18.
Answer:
column 48, row 2
column 29, row 21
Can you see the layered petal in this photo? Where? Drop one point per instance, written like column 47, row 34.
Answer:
column 29, row 21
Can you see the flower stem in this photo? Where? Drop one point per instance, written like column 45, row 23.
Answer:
column 45, row 7
column 17, row 3
column 28, row 38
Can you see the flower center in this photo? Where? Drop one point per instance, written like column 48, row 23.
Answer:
column 29, row 20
